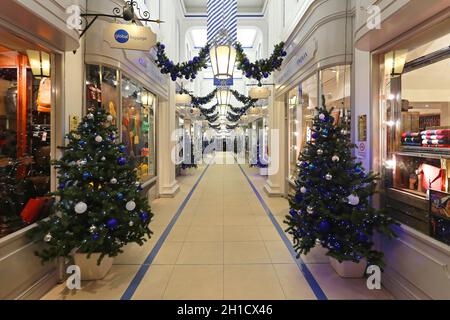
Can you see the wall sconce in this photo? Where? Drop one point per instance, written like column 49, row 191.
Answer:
column 39, row 63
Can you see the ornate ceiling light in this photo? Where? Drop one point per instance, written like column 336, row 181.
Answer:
column 223, row 96
column 259, row 93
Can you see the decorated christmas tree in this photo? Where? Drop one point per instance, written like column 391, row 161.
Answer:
column 100, row 206
column 331, row 204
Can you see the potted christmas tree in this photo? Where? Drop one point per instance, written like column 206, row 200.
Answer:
column 331, row 205
column 100, row 207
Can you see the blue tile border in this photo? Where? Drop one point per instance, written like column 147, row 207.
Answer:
column 315, row 287
column 132, row 287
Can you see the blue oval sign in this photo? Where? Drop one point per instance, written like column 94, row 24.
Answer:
column 121, row 36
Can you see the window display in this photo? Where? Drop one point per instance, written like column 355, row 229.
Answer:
column 138, row 126
column 335, row 85
column 415, row 113
column 302, row 104
column 25, row 137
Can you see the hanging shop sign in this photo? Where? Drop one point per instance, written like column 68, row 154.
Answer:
column 130, row 37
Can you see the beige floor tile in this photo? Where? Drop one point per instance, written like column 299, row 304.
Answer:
column 154, row 283
column 278, row 252
column 249, row 282
column 185, row 220
column 241, row 233
column 245, row 252
column 205, row 233
column 168, row 253
column 195, row 282
column 243, row 209
column 110, row 288
column 269, row 233
column 178, row 233
column 293, row 283
column 201, row 253
column 207, row 220
column 263, row 221
column 239, row 220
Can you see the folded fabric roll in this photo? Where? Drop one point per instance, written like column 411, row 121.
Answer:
column 436, row 132
column 433, row 137
column 428, row 142
column 410, row 134
column 405, row 143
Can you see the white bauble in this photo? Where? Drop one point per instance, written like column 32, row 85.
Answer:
column 322, row 116
column 98, row 139
column 80, row 207
column 131, row 205
column 328, row 176
column 48, row 237
column 92, row 229
column 131, row 223
column 90, row 116
column 335, row 159
column 109, row 118
column 353, row 200
column 303, row 190
column 103, row 159
column 310, row 210
column 320, row 152
column 113, row 181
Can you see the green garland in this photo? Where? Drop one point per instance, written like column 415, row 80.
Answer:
column 262, row 68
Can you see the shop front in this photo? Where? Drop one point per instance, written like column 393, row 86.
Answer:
column 319, row 63
column 410, row 108
column 32, row 106
column 127, row 84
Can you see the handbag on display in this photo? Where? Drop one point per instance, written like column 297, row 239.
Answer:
column 33, row 209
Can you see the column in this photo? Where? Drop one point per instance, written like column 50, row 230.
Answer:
column 276, row 182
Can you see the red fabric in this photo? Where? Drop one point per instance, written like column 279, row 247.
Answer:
column 32, row 209
column 433, row 177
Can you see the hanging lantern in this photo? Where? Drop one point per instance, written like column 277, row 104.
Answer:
column 259, row 93
column 223, row 96
column 223, row 109
column 223, row 59
column 182, row 99
column 39, row 63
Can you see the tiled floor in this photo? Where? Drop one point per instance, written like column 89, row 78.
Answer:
column 223, row 246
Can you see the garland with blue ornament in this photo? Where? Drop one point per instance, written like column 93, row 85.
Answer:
column 185, row 70
column 331, row 204
column 262, row 68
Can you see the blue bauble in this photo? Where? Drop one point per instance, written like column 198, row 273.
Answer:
column 162, row 46
column 284, row 53
column 86, row 175
column 305, row 164
column 265, row 74
column 174, row 78
column 143, row 216
column 358, row 170
column 122, row 161
column 337, row 246
column 325, row 132
column 119, row 196
column 324, row 226
column 293, row 212
column 122, row 148
column 95, row 236
column 312, row 167
column 314, row 135
column 362, row 237
column 61, row 185
column 112, row 224
column 298, row 197
column 82, row 143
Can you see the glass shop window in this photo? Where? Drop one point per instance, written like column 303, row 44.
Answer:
column 302, row 102
column 335, row 85
column 102, row 87
column 25, row 137
column 138, row 131
column 415, row 100
column 415, row 123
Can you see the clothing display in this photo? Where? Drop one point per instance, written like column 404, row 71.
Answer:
column 431, row 177
column 438, row 138
column 44, row 98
